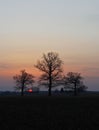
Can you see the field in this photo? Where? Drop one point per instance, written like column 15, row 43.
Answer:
column 50, row 113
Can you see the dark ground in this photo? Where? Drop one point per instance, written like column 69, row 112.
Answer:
column 50, row 113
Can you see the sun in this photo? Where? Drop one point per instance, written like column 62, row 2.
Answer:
column 30, row 90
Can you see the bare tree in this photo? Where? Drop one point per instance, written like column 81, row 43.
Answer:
column 74, row 79
column 23, row 80
column 51, row 66
column 82, row 87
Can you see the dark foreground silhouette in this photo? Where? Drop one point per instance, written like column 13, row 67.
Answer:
column 50, row 113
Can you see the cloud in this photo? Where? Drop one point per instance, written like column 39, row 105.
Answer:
column 4, row 66
column 92, row 69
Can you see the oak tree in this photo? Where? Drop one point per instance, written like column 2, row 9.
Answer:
column 74, row 80
column 51, row 66
column 22, row 80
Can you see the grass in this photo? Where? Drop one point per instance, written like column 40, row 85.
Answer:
column 50, row 113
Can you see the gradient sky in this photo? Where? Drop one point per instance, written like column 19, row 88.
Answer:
column 29, row 28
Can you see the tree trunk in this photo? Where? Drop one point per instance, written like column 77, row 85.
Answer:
column 49, row 93
column 75, row 89
column 50, row 86
column 22, row 93
column 50, row 83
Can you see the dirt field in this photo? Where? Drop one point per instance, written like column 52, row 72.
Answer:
column 50, row 113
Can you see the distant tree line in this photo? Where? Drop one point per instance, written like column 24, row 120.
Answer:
column 52, row 75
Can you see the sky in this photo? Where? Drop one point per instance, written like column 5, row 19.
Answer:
column 29, row 28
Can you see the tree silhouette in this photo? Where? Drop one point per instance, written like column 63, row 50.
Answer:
column 75, row 79
column 23, row 80
column 50, row 65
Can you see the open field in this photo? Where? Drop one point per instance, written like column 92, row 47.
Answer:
column 50, row 113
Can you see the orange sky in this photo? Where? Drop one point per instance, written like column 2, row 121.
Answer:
column 30, row 28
